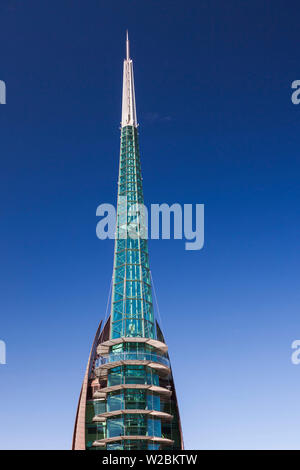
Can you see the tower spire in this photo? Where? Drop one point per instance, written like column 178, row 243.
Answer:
column 128, row 399
column 128, row 99
column 127, row 45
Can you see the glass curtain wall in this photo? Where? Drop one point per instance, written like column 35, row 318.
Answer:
column 132, row 309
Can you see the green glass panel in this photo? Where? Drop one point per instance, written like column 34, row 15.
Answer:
column 134, row 328
column 153, row 402
column 135, row 424
column 154, row 427
column 135, row 399
column 115, row 427
column 115, row 401
column 116, row 329
column 93, row 408
column 135, row 375
column 115, row 376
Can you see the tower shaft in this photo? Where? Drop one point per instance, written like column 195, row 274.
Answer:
column 132, row 307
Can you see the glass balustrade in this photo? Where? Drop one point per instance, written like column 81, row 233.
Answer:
column 132, row 356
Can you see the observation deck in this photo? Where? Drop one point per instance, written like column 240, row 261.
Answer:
column 152, row 413
column 101, row 393
column 154, row 439
column 152, row 360
column 103, row 348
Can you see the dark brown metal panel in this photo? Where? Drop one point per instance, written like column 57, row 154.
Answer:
column 104, row 336
column 78, row 442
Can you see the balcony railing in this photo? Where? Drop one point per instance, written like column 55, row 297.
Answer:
column 132, row 356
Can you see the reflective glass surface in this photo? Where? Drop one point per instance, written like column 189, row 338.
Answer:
column 132, row 309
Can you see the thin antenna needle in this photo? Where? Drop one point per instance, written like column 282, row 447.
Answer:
column 127, row 45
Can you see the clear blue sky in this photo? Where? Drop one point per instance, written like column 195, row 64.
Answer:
column 217, row 126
